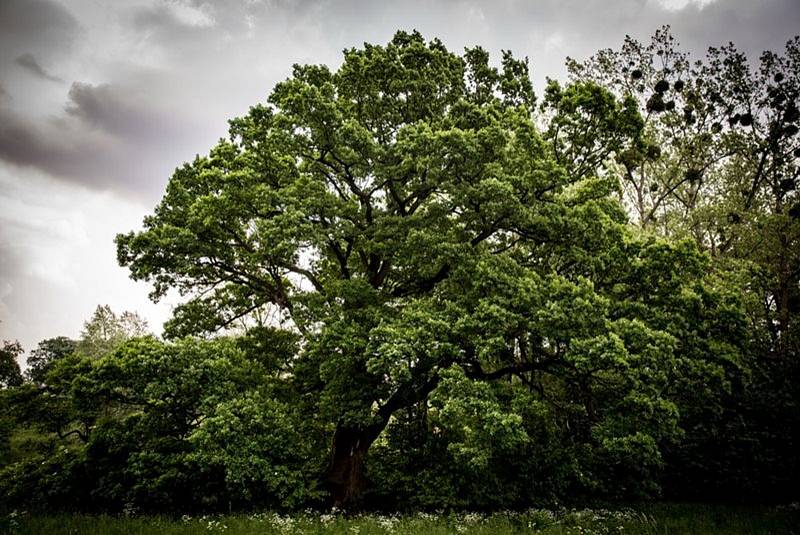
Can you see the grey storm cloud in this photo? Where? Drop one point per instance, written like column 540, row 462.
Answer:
column 161, row 19
column 181, row 69
column 39, row 27
column 19, row 144
column 106, row 138
column 28, row 62
column 119, row 113
column 97, row 105
column 54, row 148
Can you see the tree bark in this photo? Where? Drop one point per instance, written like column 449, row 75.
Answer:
column 346, row 478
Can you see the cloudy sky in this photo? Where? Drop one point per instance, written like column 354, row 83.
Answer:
column 100, row 101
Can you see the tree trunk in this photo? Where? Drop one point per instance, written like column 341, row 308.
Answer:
column 345, row 476
column 346, row 479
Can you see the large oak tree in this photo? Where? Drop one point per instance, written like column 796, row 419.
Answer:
column 408, row 219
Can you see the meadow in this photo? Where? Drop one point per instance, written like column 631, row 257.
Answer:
column 646, row 520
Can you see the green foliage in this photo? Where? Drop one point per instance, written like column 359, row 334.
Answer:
column 46, row 353
column 404, row 215
column 720, row 165
column 407, row 286
column 106, row 330
column 165, row 427
column 10, row 374
column 261, row 445
column 592, row 421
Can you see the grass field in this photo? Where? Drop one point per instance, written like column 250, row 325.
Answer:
column 650, row 519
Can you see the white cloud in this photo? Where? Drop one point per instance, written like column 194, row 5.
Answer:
column 676, row 5
column 554, row 43
column 58, row 258
column 190, row 15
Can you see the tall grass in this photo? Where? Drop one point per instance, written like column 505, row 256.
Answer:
column 649, row 519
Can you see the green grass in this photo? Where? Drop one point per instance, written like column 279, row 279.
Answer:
column 648, row 519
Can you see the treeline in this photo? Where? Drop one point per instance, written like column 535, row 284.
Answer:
column 413, row 285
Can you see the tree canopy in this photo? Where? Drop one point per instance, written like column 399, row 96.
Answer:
column 410, row 221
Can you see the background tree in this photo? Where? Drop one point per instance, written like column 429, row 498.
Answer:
column 106, row 330
column 718, row 161
column 10, row 374
column 10, row 377
column 46, row 354
column 196, row 425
